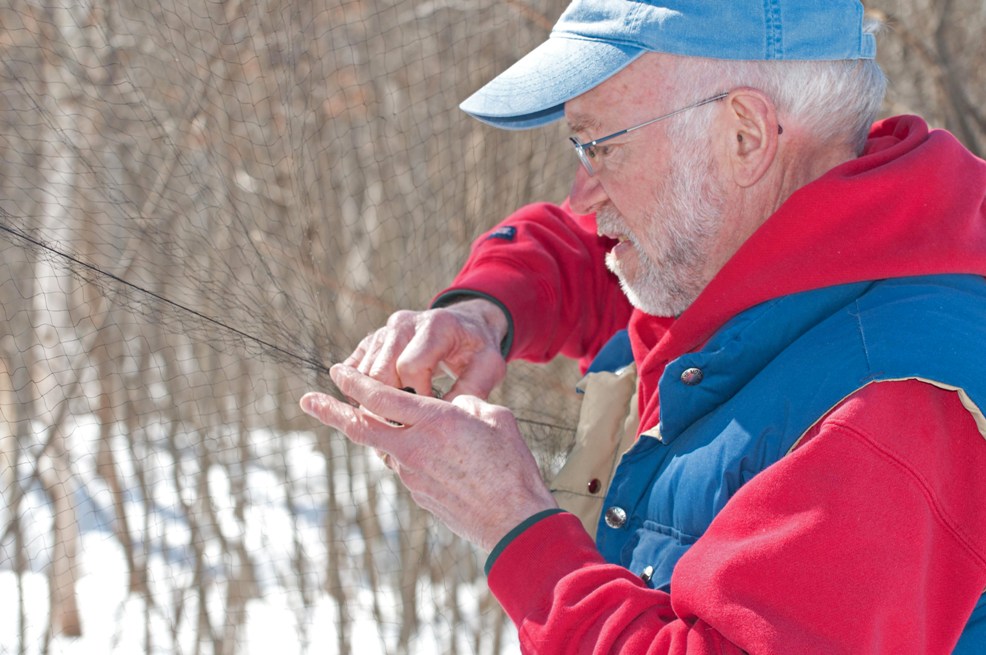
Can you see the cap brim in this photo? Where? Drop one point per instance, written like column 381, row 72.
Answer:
column 533, row 91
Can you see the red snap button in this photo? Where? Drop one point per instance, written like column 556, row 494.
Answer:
column 593, row 485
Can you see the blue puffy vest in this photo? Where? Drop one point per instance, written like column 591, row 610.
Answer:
column 744, row 400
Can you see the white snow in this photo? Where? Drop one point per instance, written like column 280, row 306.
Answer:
column 285, row 489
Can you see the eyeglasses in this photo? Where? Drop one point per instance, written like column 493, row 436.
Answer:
column 587, row 151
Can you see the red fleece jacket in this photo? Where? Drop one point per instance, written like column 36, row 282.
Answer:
column 871, row 536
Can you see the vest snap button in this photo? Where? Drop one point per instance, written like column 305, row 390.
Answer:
column 593, row 486
column 615, row 517
column 692, row 376
column 647, row 574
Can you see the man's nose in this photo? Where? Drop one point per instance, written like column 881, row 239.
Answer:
column 587, row 193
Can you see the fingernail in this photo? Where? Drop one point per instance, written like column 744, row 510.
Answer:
column 311, row 403
column 341, row 370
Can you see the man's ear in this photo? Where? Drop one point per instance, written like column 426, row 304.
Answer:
column 752, row 134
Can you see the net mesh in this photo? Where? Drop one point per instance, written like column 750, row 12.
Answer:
column 202, row 206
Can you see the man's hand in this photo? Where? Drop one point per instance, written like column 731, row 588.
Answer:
column 464, row 461
column 465, row 337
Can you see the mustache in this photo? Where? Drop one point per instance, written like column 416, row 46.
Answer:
column 611, row 222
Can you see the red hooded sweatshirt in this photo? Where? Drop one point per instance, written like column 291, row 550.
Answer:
column 891, row 556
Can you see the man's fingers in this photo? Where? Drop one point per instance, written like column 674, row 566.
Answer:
column 382, row 400
column 408, row 350
column 383, row 367
column 368, row 346
column 357, row 355
column 359, row 426
column 328, row 410
column 417, row 363
column 480, row 378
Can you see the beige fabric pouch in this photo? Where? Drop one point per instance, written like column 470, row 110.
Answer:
column 607, row 428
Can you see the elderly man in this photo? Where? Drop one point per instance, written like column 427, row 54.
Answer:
column 805, row 312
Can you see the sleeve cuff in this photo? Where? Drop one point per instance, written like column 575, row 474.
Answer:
column 457, row 295
column 516, row 532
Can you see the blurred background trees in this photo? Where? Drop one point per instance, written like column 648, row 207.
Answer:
column 204, row 204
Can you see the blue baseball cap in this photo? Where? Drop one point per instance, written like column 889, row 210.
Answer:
column 594, row 39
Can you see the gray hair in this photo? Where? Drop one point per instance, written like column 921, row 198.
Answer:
column 835, row 101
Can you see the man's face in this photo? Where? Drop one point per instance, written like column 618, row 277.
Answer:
column 662, row 258
column 658, row 191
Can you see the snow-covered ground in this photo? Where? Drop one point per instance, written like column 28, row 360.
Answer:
column 276, row 515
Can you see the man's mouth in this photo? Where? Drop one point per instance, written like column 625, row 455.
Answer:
column 616, row 237
column 621, row 247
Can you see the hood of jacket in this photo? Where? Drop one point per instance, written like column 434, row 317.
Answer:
column 914, row 203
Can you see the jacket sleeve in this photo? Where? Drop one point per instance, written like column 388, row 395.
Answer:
column 545, row 266
column 870, row 537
